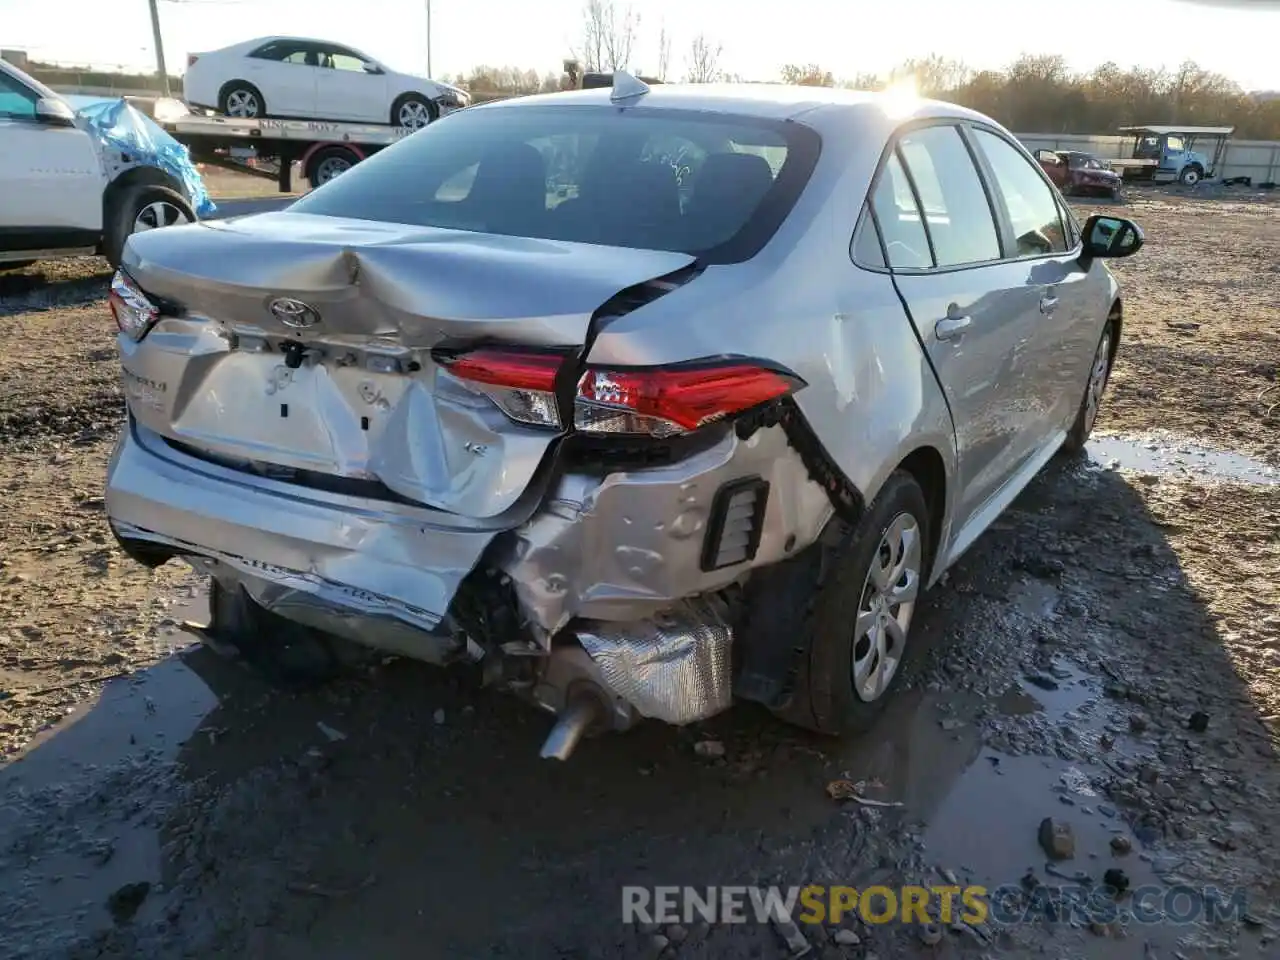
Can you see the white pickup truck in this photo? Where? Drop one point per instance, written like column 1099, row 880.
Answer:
column 67, row 188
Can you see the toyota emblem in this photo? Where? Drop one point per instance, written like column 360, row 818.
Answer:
column 293, row 313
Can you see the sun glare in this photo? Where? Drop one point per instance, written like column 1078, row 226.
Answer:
column 902, row 97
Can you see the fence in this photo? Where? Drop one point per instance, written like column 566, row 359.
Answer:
column 1258, row 159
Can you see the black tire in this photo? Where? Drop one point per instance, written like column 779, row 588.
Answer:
column 1191, row 175
column 828, row 595
column 230, row 94
column 124, row 209
column 328, row 162
column 433, row 112
column 1085, row 420
column 284, row 653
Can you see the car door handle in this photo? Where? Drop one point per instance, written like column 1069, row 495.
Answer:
column 949, row 328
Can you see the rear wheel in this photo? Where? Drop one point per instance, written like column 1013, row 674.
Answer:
column 137, row 209
column 328, row 162
column 242, row 100
column 857, row 616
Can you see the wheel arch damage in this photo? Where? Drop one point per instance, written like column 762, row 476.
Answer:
column 136, row 149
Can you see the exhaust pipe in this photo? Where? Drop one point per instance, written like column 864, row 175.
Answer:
column 578, row 717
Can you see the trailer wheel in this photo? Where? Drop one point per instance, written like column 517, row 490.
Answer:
column 241, row 99
column 328, row 162
column 413, row 111
column 1191, row 175
column 143, row 206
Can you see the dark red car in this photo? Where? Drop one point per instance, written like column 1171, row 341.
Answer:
column 1079, row 173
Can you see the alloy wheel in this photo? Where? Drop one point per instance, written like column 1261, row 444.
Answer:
column 157, row 214
column 888, row 603
column 413, row 114
column 242, row 103
column 1098, row 374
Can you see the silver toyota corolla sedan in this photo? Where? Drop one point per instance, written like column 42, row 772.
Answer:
column 645, row 400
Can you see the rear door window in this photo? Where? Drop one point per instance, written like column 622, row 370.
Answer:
column 905, row 241
column 956, row 210
column 1031, row 203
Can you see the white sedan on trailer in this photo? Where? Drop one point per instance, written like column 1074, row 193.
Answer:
column 313, row 80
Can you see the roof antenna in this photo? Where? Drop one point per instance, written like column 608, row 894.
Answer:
column 625, row 86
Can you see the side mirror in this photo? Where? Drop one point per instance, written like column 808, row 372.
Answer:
column 373, row 68
column 1111, row 237
column 55, row 112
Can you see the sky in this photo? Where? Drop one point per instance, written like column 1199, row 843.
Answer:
column 848, row 37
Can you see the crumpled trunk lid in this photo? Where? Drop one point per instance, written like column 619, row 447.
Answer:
column 347, row 389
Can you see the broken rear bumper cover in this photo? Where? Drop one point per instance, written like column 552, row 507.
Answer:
column 614, row 574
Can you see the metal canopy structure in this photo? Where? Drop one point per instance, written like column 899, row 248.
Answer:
column 1166, row 129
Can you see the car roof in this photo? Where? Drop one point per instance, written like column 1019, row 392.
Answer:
column 765, row 100
column 250, row 44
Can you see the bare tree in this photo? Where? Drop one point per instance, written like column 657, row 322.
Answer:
column 933, row 75
column 664, row 53
column 608, row 35
column 807, row 75
column 704, row 60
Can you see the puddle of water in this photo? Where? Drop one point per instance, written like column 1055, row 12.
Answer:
column 1060, row 692
column 1177, row 458
column 154, row 710
column 79, row 778
column 987, row 831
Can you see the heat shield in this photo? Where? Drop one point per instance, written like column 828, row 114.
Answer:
column 674, row 667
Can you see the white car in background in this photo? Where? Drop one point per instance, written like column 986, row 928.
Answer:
column 77, row 181
column 313, row 80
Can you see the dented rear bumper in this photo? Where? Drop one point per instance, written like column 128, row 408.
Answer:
column 382, row 559
column 604, row 563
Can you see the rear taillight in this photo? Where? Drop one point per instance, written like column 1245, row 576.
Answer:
column 134, row 313
column 640, row 401
column 521, row 382
column 666, row 401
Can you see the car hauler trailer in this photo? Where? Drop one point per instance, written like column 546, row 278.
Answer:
column 322, row 148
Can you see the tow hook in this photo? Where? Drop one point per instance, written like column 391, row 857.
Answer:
column 293, row 351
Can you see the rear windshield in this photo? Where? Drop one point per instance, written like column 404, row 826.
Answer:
column 711, row 185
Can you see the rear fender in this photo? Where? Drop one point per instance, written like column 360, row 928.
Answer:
column 628, row 544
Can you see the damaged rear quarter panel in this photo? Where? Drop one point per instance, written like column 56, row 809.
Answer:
column 627, row 545
column 871, row 398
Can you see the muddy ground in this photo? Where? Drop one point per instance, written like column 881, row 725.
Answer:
column 162, row 801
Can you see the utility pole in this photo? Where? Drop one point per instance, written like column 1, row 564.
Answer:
column 155, row 32
column 428, row 36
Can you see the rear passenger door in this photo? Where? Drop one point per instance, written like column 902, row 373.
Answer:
column 968, row 306
column 1067, row 305
column 286, row 72
column 345, row 90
